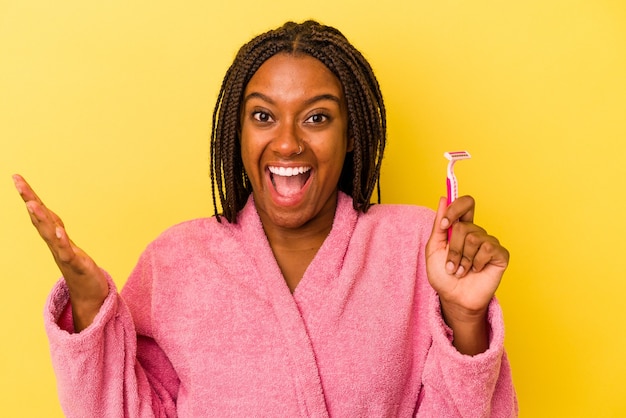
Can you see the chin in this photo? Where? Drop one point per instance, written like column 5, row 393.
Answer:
column 289, row 219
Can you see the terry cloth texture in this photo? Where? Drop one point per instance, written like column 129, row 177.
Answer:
column 206, row 326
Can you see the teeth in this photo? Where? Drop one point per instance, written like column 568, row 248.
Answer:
column 288, row 171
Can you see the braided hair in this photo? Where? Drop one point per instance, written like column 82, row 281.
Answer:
column 366, row 112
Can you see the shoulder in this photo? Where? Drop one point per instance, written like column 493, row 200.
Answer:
column 412, row 211
column 395, row 225
column 194, row 233
column 205, row 236
column 403, row 216
column 190, row 229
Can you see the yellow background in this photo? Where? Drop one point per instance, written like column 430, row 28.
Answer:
column 105, row 108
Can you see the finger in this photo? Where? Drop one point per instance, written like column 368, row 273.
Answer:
column 462, row 209
column 28, row 195
column 52, row 232
column 439, row 235
column 491, row 253
column 64, row 250
column 24, row 189
column 41, row 219
column 465, row 241
column 455, row 249
column 471, row 245
column 48, row 224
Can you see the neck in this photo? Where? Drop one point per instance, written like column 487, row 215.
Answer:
column 295, row 247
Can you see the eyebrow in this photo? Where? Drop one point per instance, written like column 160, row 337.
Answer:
column 307, row 102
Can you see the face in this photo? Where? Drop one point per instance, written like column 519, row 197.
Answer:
column 294, row 140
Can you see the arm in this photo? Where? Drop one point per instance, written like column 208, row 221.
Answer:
column 459, row 385
column 107, row 369
column 103, row 367
column 86, row 283
column 465, row 272
column 466, row 372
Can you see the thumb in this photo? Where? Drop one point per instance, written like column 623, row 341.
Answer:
column 439, row 235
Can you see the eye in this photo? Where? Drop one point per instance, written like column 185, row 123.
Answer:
column 261, row 116
column 317, row 118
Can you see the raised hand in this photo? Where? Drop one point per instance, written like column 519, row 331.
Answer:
column 86, row 282
column 465, row 272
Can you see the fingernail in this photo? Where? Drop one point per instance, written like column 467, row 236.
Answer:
column 59, row 232
column 17, row 186
column 30, row 208
column 450, row 267
column 460, row 271
column 445, row 223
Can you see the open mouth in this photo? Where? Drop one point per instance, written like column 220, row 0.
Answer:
column 288, row 181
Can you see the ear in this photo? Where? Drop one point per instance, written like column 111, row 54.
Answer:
column 350, row 145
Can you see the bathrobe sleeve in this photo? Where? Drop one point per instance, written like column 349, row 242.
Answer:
column 108, row 370
column 457, row 385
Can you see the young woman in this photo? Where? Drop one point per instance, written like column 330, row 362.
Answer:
column 301, row 298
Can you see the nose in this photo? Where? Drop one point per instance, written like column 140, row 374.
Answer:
column 287, row 140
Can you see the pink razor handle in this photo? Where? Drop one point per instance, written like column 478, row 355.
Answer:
column 451, row 182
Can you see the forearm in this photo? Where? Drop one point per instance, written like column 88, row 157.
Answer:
column 83, row 313
column 98, row 371
column 470, row 330
column 458, row 385
column 87, row 298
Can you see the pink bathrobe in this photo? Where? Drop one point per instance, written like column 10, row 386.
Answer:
column 206, row 326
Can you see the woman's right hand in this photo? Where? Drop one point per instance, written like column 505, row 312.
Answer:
column 86, row 282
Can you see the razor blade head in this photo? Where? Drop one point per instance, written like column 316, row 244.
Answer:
column 457, row 155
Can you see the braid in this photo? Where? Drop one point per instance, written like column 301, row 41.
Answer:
column 366, row 113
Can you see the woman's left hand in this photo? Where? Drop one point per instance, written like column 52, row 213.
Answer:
column 465, row 271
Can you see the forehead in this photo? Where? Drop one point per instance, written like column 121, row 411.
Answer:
column 290, row 76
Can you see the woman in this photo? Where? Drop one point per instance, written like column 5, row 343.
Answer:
column 306, row 300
